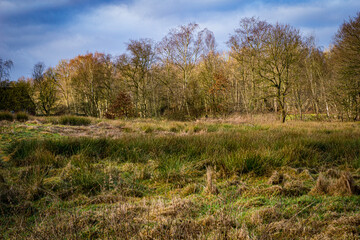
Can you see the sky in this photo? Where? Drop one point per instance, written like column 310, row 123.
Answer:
column 50, row 30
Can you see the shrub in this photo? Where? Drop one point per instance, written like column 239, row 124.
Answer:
column 74, row 121
column 6, row 116
column 121, row 106
column 22, row 116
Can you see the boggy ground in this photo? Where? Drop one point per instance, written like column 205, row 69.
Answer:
column 151, row 179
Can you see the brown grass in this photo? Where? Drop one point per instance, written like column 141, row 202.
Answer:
column 265, row 215
column 188, row 200
column 276, row 178
column 341, row 228
column 210, row 179
column 335, row 183
column 288, row 182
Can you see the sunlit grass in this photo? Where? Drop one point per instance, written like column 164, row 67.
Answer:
column 153, row 175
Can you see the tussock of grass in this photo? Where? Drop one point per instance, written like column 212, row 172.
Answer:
column 174, row 129
column 335, row 183
column 6, row 116
column 74, row 121
column 189, row 189
column 22, row 116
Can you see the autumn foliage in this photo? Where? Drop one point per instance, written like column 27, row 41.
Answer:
column 121, row 107
column 268, row 68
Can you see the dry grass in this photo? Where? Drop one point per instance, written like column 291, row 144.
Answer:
column 210, row 181
column 289, row 182
column 335, row 183
column 236, row 178
column 276, row 178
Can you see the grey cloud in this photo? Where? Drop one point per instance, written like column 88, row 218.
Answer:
column 11, row 7
column 107, row 27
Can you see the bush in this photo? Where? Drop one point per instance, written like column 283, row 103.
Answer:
column 121, row 107
column 74, row 121
column 22, row 117
column 6, row 116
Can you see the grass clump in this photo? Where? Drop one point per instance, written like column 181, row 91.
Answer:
column 335, row 183
column 148, row 129
column 197, row 128
column 174, row 129
column 22, row 116
column 74, row 121
column 6, row 116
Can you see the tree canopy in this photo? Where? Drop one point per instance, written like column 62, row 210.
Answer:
column 268, row 68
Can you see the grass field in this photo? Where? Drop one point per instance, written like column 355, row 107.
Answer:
column 236, row 178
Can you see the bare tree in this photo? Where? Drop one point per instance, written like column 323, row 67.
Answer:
column 346, row 58
column 183, row 47
column 63, row 76
column 274, row 52
column 136, row 68
column 214, row 81
column 92, row 79
column 282, row 51
column 5, row 67
column 247, row 44
column 44, row 88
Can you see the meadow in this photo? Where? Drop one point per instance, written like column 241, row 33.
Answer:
column 236, row 178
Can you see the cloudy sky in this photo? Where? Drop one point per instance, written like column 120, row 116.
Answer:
column 51, row 30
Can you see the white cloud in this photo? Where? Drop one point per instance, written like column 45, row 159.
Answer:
column 107, row 27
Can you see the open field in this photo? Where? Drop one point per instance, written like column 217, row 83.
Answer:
column 236, row 178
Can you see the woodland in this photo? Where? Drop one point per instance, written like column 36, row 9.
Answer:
column 268, row 68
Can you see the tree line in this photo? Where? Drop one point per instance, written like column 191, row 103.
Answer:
column 268, row 68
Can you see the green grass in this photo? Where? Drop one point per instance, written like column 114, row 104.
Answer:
column 74, row 121
column 151, row 185
column 240, row 152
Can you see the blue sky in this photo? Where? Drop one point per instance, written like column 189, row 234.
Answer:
column 51, row 30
